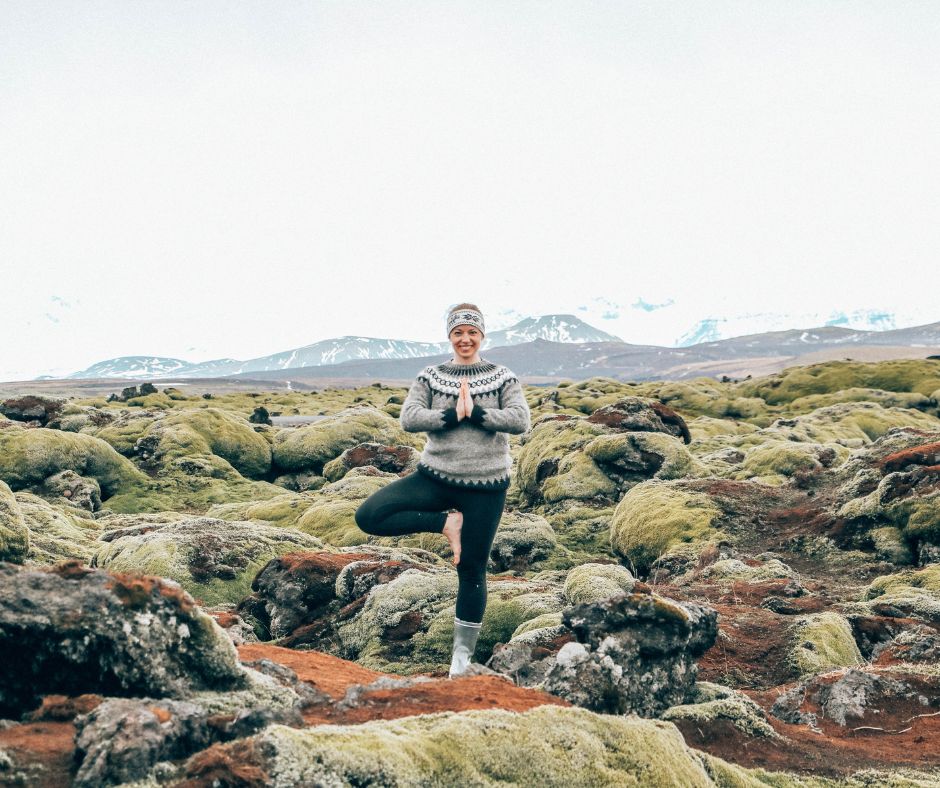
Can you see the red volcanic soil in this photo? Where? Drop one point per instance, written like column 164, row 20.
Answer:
column 899, row 733
column 43, row 748
column 42, row 751
column 333, row 675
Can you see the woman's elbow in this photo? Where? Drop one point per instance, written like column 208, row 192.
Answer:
column 522, row 424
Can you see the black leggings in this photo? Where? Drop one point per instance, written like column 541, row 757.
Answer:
column 417, row 503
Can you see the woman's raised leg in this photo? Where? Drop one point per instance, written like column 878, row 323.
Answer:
column 412, row 504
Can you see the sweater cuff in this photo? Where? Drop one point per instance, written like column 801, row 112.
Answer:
column 476, row 415
column 450, row 418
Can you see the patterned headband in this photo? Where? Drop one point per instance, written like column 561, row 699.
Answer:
column 465, row 317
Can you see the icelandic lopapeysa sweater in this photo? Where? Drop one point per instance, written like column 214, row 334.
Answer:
column 472, row 452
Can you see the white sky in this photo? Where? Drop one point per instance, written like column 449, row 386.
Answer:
column 211, row 179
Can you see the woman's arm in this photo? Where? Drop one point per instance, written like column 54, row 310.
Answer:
column 513, row 416
column 417, row 416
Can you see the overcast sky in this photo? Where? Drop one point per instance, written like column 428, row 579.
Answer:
column 225, row 179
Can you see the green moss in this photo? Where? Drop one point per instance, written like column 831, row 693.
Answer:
column 522, row 539
column 890, row 545
column 822, row 641
column 57, row 532
column 214, row 560
column 905, row 375
column 696, row 397
column 28, row 456
column 124, row 432
column 586, row 396
column 917, row 517
column 563, row 746
column 557, row 445
column 583, row 528
column 593, row 582
column 212, row 431
column 14, row 536
column 703, row 427
column 927, row 579
column 331, row 511
column 887, row 399
column 544, row 621
column 414, row 593
column 282, row 510
column 732, row 570
column 923, row 517
column 779, row 459
column 312, row 446
column 656, row 516
column 158, row 401
column 578, row 477
column 635, row 450
column 713, row 702
column 850, row 424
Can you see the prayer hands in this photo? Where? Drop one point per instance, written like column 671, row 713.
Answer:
column 464, row 401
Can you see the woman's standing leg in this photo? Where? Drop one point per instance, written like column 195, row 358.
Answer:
column 482, row 511
column 412, row 504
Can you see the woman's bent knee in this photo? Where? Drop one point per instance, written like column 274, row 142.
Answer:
column 363, row 516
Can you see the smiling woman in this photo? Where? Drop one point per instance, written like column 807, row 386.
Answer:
column 467, row 406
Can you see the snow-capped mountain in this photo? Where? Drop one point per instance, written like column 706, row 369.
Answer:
column 554, row 328
column 137, row 367
column 715, row 329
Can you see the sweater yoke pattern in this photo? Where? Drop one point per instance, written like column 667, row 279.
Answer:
column 483, row 377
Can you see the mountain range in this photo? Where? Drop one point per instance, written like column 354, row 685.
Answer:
column 330, row 352
column 544, row 348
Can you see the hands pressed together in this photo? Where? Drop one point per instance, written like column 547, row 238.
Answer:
column 464, row 402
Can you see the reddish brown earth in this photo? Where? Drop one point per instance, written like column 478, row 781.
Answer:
column 333, row 675
column 834, row 752
column 46, row 746
column 47, row 743
column 898, row 733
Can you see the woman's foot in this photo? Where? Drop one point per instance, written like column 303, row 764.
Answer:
column 452, row 528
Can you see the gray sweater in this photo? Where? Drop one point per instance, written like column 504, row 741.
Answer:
column 472, row 452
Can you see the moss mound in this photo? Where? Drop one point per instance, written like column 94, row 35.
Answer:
column 126, row 428
column 330, row 515
column 921, row 376
column 656, row 517
column 912, row 592
column 712, row 702
column 582, row 528
column 708, row 397
column 211, row 431
column 563, row 746
column 14, row 537
column 215, row 560
column 551, row 467
column 592, row 582
column 822, row 641
column 57, row 532
column 28, row 456
column 282, row 510
column 312, row 446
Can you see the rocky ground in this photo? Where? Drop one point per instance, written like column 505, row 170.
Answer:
column 694, row 583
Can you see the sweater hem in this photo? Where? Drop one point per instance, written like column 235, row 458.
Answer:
column 500, row 483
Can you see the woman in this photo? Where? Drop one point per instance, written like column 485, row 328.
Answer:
column 466, row 406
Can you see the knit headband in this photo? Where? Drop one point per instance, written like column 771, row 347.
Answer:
column 465, row 317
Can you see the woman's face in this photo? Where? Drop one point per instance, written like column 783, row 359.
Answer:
column 466, row 341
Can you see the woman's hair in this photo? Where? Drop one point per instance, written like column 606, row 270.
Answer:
column 464, row 306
